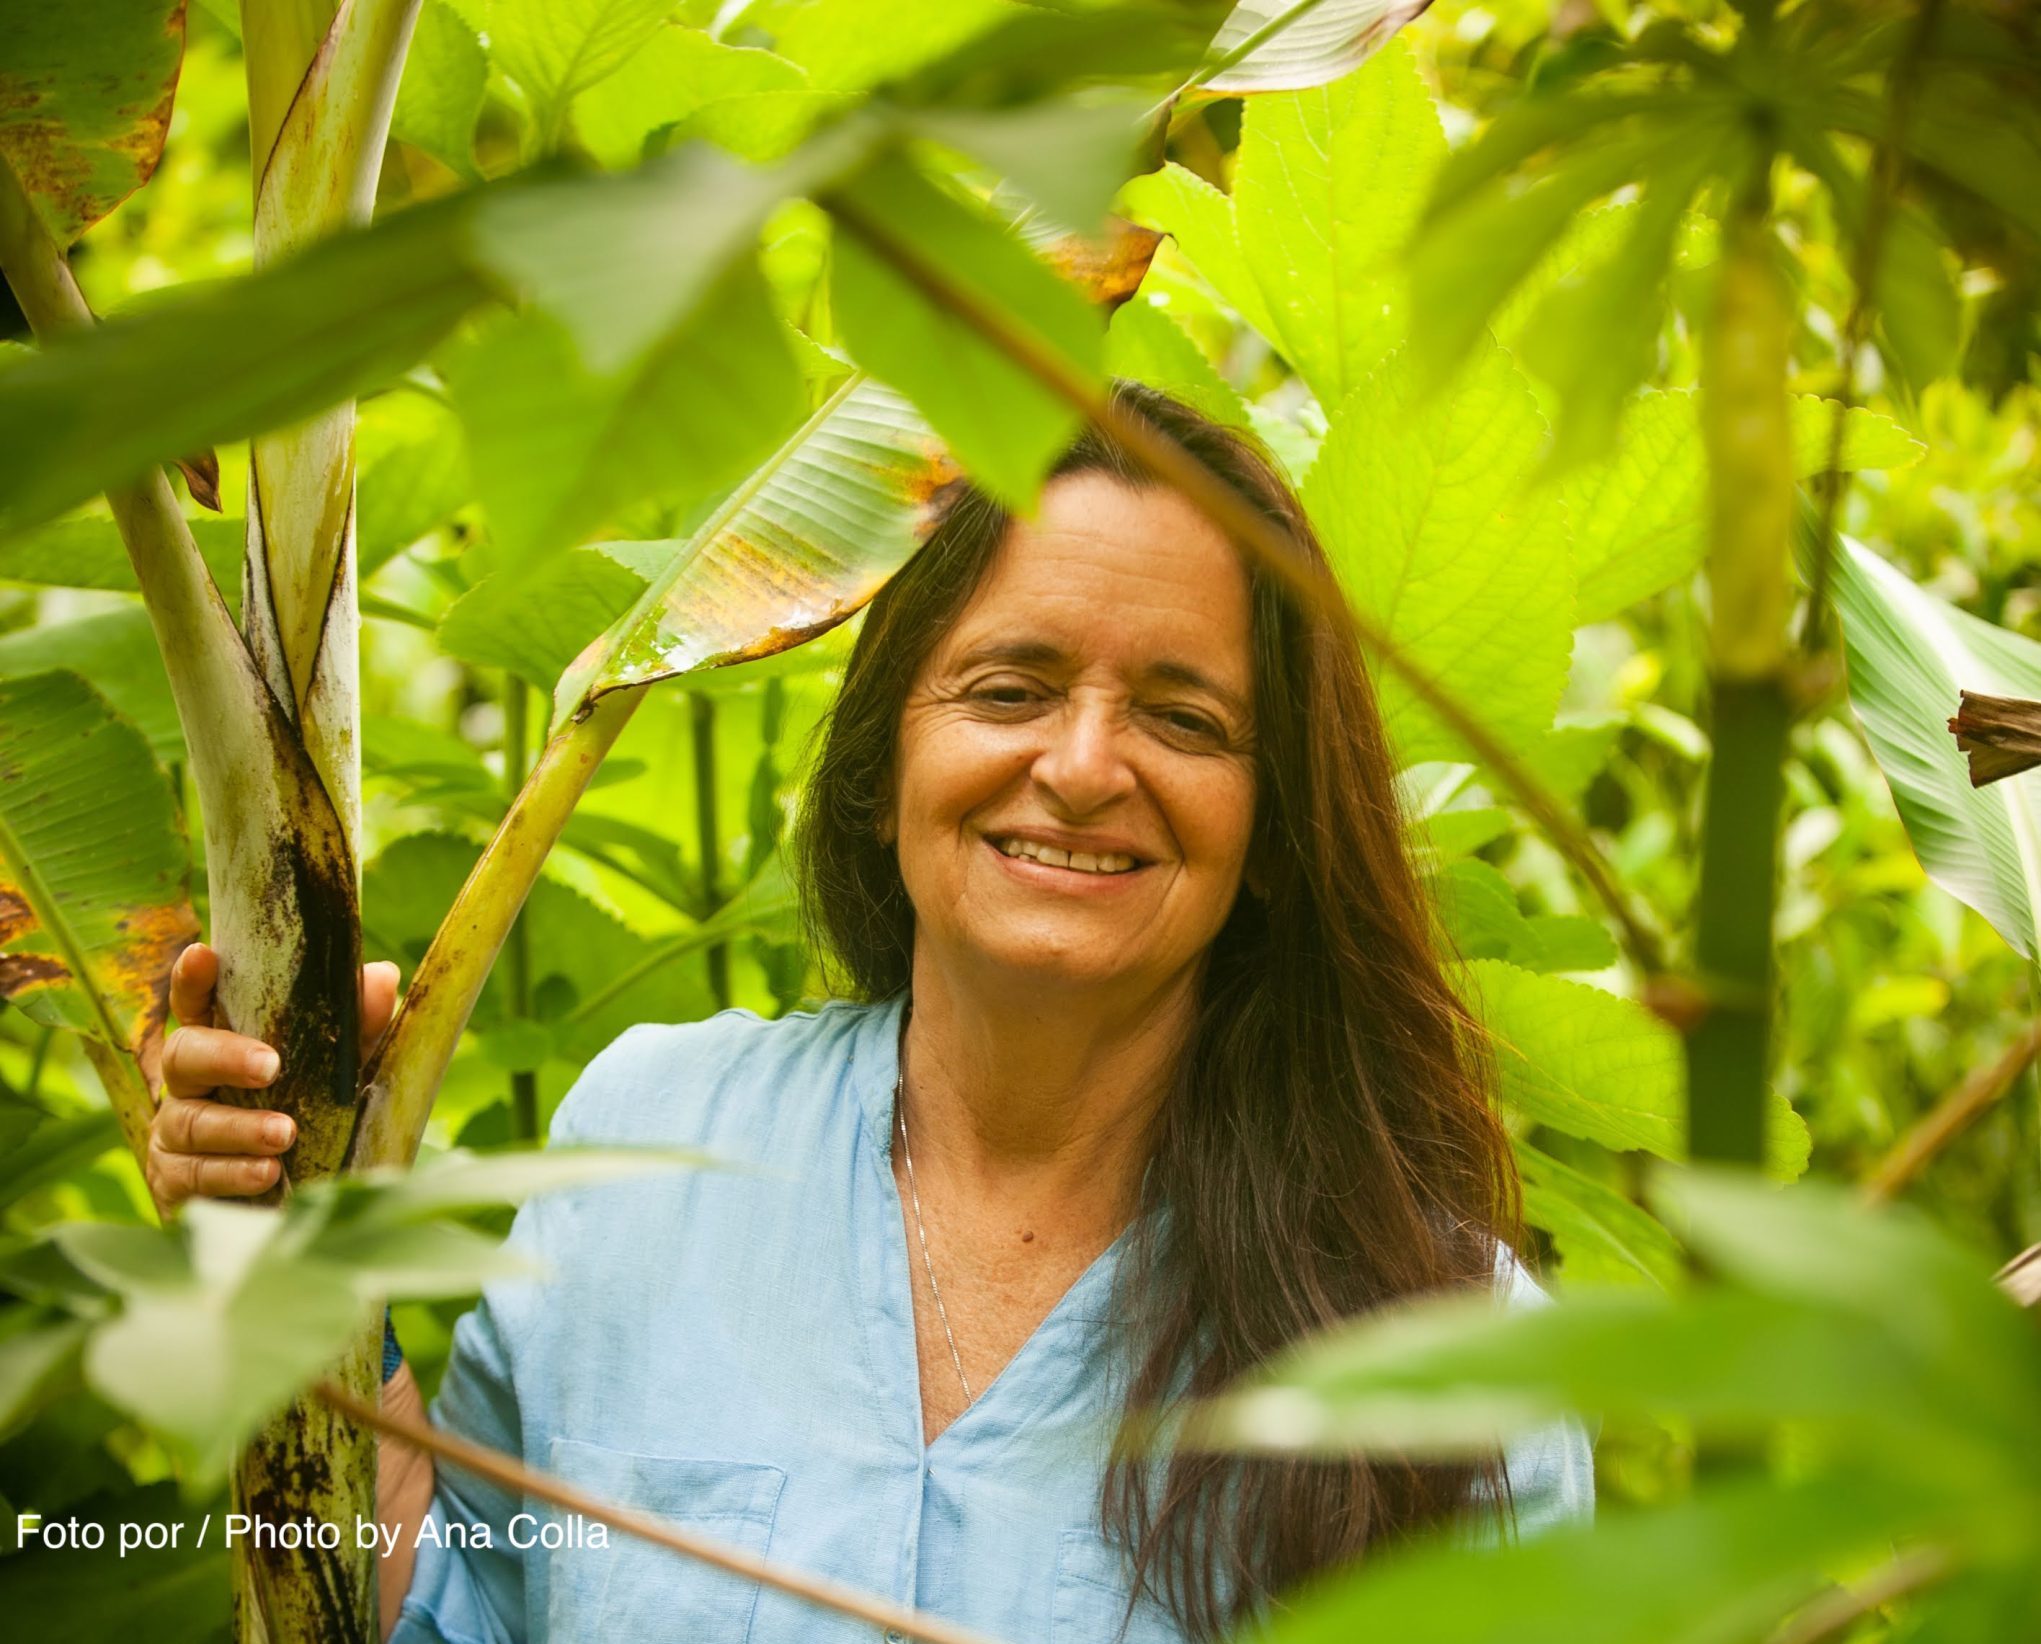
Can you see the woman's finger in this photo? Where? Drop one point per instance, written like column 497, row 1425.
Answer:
column 193, row 976
column 199, row 1059
column 175, row 1177
column 378, row 1002
column 192, row 1124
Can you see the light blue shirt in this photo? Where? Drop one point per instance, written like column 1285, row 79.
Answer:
column 735, row 1352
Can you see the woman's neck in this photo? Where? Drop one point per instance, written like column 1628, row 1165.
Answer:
column 1045, row 1098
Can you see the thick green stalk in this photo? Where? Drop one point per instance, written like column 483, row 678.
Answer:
column 517, row 953
column 407, row 1068
column 702, row 722
column 1744, row 356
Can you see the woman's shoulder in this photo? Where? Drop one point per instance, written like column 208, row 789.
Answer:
column 664, row 1082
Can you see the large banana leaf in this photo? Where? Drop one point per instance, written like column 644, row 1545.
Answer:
column 85, row 93
column 1910, row 657
column 1278, row 47
column 94, row 869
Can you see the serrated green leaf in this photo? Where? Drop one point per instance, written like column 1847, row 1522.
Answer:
column 94, row 868
column 1593, row 1065
column 557, row 49
column 679, row 78
column 1200, row 219
column 537, row 624
column 1910, row 657
column 1426, row 511
column 85, row 96
column 1601, row 1237
column 1328, row 185
column 1145, row 345
column 1003, row 425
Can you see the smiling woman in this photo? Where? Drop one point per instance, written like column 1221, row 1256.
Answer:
column 1147, row 1068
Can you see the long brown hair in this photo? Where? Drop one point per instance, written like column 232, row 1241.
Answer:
column 1329, row 1145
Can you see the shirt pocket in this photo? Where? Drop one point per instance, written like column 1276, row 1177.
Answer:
column 633, row 1589
column 1092, row 1583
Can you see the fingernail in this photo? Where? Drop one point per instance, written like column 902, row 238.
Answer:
column 264, row 1065
column 279, row 1131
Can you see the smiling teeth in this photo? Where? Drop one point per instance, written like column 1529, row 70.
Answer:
column 1055, row 857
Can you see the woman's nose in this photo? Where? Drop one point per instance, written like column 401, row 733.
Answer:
column 1084, row 766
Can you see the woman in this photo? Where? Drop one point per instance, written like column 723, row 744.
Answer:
column 1155, row 1071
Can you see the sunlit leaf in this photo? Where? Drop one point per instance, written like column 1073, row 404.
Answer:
column 1328, row 185
column 85, row 95
column 1601, row 1237
column 852, row 45
column 1200, row 219
column 115, row 653
column 93, row 867
column 1292, row 45
column 687, row 80
column 1144, row 344
column 412, row 476
column 556, row 49
column 1428, row 516
column 1910, row 657
column 1069, row 155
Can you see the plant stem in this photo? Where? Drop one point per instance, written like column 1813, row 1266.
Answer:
column 1951, row 1116
column 701, row 710
column 517, row 955
column 404, row 1074
column 513, row 1475
column 1744, row 356
column 1170, row 463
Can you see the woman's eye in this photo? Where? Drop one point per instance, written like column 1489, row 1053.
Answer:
column 1191, row 723
column 1003, row 696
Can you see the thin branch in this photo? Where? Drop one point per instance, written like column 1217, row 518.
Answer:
column 1863, row 306
column 1835, row 1610
column 513, row 1474
column 1175, row 467
column 1955, row 1113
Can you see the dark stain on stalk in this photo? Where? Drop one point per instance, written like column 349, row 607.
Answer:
column 321, row 1023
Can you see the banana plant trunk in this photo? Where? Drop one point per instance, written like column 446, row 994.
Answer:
column 1744, row 354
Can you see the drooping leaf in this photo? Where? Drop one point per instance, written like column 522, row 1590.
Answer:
column 1067, row 155
column 557, row 448
column 1003, row 425
column 1910, row 656
column 1328, row 185
column 1427, row 513
column 439, row 99
column 115, row 653
column 93, row 867
column 795, row 550
column 1597, row 1066
column 85, row 95
column 1292, row 45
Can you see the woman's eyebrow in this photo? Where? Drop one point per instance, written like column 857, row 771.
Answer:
column 1182, row 673
column 1017, row 653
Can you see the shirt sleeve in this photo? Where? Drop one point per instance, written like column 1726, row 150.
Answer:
column 1550, row 1472
column 468, row 1586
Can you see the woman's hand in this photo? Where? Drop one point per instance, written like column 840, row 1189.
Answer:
column 202, row 1148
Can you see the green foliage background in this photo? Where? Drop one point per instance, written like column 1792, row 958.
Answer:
column 1561, row 601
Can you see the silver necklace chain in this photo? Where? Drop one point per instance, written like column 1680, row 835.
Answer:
column 921, row 1232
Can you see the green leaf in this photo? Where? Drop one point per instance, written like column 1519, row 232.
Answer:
column 87, row 552
column 1427, row 514
column 93, row 866
column 537, row 624
column 1200, row 219
column 38, row 1358
column 557, row 49
column 1601, row 1237
column 1910, row 656
column 557, row 449
column 175, row 1596
column 440, row 97
column 1003, row 425
column 853, row 45
column 1328, row 185
column 115, row 653
column 834, row 513
column 85, row 95
column 1480, row 912
column 1145, row 345
column 689, row 81
column 1068, row 155
column 1596, row 1066
column 1724, row 1566
column 1920, row 311
column 1639, row 515
column 1564, row 941
column 55, row 1148
column 1291, row 46
column 412, row 474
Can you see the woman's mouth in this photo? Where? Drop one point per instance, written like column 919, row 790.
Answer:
column 1054, row 856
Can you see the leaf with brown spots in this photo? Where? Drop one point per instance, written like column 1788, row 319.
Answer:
column 85, row 95
column 94, row 867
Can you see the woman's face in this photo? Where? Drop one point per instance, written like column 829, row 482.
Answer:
column 1075, row 788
